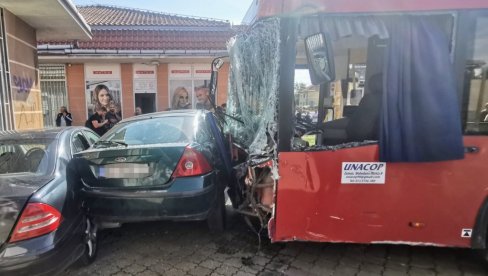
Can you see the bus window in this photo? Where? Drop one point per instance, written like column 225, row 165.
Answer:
column 477, row 73
column 306, row 96
column 357, row 60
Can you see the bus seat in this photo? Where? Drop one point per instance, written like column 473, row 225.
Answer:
column 363, row 124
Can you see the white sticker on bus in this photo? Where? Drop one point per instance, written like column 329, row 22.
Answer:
column 363, row 172
column 466, row 233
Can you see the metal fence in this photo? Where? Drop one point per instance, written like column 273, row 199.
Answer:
column 53, row 91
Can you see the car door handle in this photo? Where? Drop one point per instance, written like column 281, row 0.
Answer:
column 471, row 149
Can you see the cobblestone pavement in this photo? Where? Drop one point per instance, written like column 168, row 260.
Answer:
column 187, row 248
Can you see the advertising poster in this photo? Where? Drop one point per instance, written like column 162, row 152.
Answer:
column 103, row 88
column 184, row 79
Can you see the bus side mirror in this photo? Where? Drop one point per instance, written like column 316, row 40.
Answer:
column 320, row 59
column 217, row 63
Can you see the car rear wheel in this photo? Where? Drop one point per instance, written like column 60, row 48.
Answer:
column 216, row 219
column 90, row 240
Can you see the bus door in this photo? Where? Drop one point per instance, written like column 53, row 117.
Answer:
column 335, row 186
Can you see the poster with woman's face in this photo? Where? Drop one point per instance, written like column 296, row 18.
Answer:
column 103, row 93
column 181, row 96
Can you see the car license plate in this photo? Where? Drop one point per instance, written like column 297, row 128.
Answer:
column 126, row 170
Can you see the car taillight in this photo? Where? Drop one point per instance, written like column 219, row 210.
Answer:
column 37, row 219
column 192, row 163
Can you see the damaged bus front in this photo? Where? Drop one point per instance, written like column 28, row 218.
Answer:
column 362, row 122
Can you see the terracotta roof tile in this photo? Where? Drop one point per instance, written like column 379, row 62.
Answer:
column 154, row 40
column 102, row 15
column 129, row 29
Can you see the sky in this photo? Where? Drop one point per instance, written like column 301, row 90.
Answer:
column 232, row 10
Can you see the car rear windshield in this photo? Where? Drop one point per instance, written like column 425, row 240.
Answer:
column 171, row 129
column 27, row 156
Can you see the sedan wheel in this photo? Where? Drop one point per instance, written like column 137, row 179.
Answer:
column 90, row 240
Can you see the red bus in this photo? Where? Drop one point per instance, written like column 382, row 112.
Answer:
column 362, row 121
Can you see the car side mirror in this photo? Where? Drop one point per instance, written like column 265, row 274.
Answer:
column 320, row 59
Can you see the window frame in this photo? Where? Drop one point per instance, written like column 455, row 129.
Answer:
column 465, row 39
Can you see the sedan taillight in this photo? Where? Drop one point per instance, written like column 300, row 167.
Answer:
column 192, row 163
column 37, row 219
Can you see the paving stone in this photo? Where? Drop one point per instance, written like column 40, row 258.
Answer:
column 395, row 266
column 292, row 271
column 345, row 271
column 290, row 250
column 226, row 270
column 349, row 262
column 147, row 272
column 260, row 260
column 188, row 249
column 390, row 272
column 134, row 269
column 122, row 273
column 185, row 266
column 307, row 257
column 210, row 264
column 122, row 263
column 277, row 266
column 326, row 264
column 422, row 261
column 420, row 272
column 109, row 270
column 200, row 271
column 367, row 273
column 270, row 273
column 322, row 270
column 242, row 273
column 373, row 268
column 451, row 273
column 235, row 262
column 173, row 272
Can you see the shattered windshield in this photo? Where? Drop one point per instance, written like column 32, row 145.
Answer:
column 253, row 86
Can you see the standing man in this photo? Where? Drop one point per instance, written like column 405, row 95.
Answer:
column 203, row 100
column 97, row 121
column 138, row 111
column 64, row 117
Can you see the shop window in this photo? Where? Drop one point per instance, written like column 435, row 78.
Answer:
column 183, row 81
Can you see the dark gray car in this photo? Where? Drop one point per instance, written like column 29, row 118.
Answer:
column 43, row 228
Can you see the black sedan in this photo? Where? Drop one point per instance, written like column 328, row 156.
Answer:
column 42, row 227
column 160, row 166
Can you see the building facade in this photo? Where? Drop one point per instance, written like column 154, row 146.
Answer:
column 143, row 57
column 21, row 24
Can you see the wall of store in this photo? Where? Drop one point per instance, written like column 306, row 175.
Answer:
column 24, row 73
column 135, row 84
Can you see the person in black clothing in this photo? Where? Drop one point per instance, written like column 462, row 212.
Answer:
column 113, row 116
column 64, row 117
column 98, row 122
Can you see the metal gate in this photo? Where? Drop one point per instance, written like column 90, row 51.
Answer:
column 53, row 91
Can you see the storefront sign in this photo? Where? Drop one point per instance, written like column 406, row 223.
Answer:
column 180, row 71
column 100, row 71
column 202, row 71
